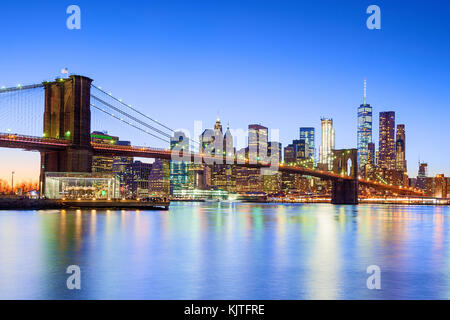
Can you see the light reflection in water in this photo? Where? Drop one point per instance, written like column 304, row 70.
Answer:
column 228, row 251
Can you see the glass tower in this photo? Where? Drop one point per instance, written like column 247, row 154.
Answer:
column 308, row 135
column 386, row 157
column 400, row 148
column 327, row 143
column 364, row 130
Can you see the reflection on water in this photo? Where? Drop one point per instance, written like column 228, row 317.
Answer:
column 228, row 251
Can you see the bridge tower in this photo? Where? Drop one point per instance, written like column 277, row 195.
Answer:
column 67, row 116
column 345, row 163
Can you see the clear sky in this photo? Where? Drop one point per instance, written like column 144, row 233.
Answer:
column 284, row 64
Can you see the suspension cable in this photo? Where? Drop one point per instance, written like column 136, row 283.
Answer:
column 126, row 122
column 138, row 112
column 131, row 117
column 19, row 87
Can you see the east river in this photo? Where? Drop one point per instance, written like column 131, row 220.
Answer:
column 228, row 251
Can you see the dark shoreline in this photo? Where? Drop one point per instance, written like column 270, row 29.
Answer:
column 44, row 204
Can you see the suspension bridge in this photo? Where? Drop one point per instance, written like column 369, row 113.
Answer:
column 58, row 117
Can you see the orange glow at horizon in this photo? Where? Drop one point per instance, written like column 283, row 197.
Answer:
column 25, row 165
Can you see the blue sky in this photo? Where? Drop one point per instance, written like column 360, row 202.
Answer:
column 283, row 64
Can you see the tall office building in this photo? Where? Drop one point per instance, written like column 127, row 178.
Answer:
column 308, row 135
column 422, row 176
column 122, row 167
column 257, row 150
column 289, row 153
column 327, row 143
column 141, row 173
column 386, row 156
column 159, row 178
column 364, row 129
column 372, row 155
column 178, row 169
column 400, row 146
column 257, row 141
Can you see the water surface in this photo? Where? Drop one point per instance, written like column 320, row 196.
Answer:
column 228, row 251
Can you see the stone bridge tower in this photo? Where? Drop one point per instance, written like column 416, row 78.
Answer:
column 67, row 116
column 345, row 162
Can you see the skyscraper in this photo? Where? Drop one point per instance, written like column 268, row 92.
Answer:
column 257, row 150
column 386, row 156
column 422, row 176
column 308, row 135
column 257, row 141
column 400, row 146
column 364, row 129
column 123, row 168
column 159, row 178
column 141, row 173
column 178, row 169
column 372, row 155
column 327, row 143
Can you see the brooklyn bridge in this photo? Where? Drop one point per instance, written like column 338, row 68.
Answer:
column 65, row 143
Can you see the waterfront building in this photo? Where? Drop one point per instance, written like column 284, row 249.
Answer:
column 327, row 144
column 159, row 178
column 400, row 148
column 81, row 186
column 364, row 130
column 102, row 163
column 273, row 183
column 386, row 156
column 440, row 186
column 141, row 173
column 123, row 168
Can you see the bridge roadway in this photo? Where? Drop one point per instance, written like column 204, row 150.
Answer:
column 10, row 140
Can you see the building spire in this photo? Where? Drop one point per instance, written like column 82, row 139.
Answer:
column 365, row 91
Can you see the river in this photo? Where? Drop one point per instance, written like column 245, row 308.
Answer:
column 228, row 251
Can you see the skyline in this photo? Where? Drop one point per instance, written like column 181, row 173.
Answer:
column 294, row 65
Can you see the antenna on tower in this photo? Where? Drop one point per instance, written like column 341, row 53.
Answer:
column 365, row 91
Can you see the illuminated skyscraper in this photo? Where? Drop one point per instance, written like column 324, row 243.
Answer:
column 422, row 176
column 308, row 135
column 159, row 178
column 141, row 173
column 327, row 143
column 178, row 169
column 364, row 130
column 400, row 146
column 372, row 155
column 257, row 141
column 258, row 150
column 386, row 156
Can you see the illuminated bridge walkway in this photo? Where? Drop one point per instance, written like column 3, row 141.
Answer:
column 70, row 105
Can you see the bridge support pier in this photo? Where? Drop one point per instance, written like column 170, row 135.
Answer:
column 68, row 116
column 345, row 192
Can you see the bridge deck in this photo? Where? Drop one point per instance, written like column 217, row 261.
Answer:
column 9, row 140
